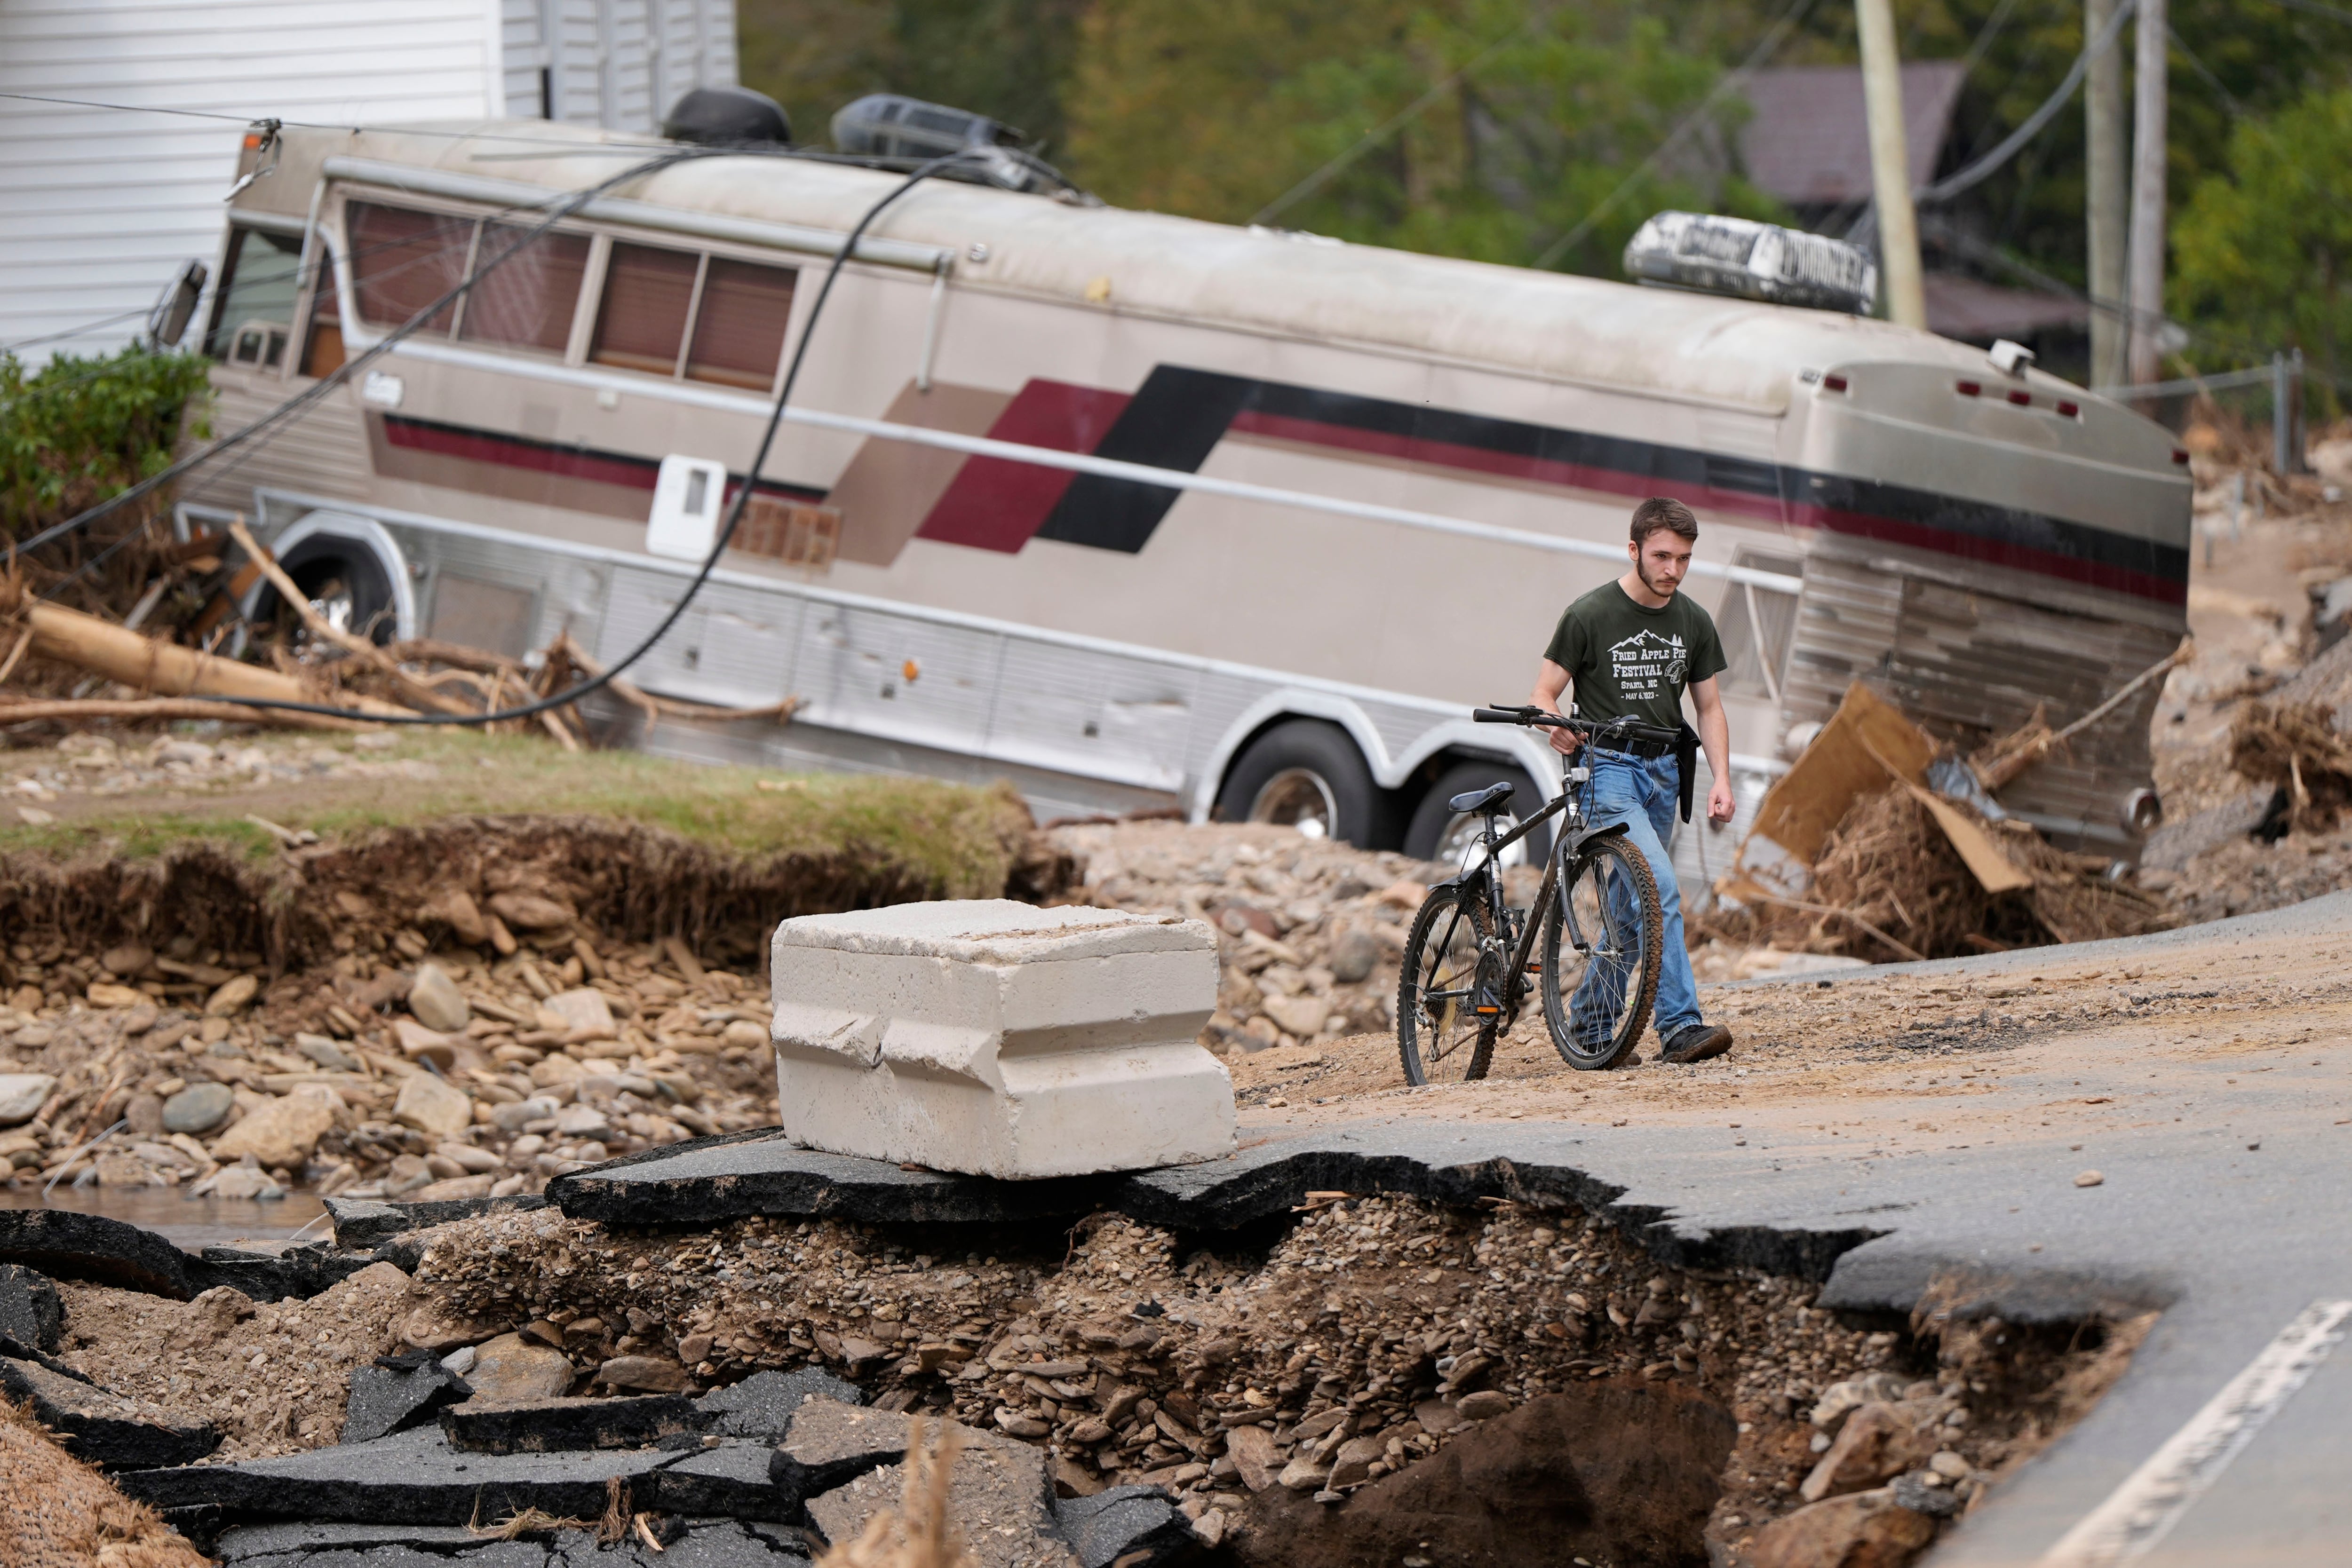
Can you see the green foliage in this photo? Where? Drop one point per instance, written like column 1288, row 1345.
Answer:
column 77, row 430
column 1215, row 109
column 2263, row 249
column 1005, row 59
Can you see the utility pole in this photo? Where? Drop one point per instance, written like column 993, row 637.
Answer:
column 2148, row 144
column 1890, row 165
column 2107, row 182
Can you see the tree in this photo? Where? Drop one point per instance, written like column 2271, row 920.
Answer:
column 1218, row 109
column 1003, row 58
column 2262, row 249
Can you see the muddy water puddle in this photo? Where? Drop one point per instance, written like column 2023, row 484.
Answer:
column 188, row 1223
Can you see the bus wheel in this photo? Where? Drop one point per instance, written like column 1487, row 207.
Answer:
column 1302, row 774
column 345, row 583
column 1438, row 833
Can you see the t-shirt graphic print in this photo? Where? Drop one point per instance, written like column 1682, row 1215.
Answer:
column 1628, row 660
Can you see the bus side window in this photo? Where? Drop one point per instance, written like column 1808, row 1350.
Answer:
column 322, row 345
column 253, row 309
column 402, row 261
column 527, row 300
column 641, row 320
column 739, row 324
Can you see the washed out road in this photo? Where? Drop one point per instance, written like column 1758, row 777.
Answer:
column 1955, row 1109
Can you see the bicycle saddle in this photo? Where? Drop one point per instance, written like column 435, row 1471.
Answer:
column 1480, row 799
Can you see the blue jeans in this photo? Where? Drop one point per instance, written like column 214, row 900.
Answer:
column 1645, row 795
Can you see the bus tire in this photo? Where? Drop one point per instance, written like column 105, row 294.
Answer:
column 1432, row 823
column 1304, row 769
column 359, row 588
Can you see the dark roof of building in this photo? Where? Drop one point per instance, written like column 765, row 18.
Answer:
column 1975, row 312
column 1807, row 140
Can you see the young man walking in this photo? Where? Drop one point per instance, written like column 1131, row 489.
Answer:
column 1630, row 647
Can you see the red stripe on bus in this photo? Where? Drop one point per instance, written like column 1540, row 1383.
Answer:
column 997, row 505
column 1994, row 552
column 1503, row 465
column 1617, row 482
column 481, row 446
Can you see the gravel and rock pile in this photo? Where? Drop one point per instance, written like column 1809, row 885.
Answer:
column 469, row 1072
column 1373, row 1335
column 1309, row 931
column 103, row 766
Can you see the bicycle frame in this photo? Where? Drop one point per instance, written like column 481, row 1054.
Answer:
column 1569, row 843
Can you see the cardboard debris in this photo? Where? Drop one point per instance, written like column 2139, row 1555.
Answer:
column 1864, row 740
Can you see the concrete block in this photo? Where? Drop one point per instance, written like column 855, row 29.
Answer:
column 997, row 1039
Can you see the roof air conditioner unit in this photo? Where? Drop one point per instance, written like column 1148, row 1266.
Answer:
column 1750, row 260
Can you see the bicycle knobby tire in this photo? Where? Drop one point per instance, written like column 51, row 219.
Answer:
column 1453, row 924
column 1635, row 976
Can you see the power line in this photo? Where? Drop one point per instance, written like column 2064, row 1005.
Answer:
column 1763, row 50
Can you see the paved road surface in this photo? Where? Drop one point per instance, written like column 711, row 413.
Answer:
column 2233, row 1241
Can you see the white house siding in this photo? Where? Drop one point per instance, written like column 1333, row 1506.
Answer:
column 98, row 208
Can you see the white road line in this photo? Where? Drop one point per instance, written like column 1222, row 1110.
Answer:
column 2142, row 1510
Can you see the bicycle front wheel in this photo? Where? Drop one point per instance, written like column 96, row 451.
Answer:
column 1441, row 1035
column 1601, row 941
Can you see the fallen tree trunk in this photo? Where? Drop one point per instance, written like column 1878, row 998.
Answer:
column 121, row 654
column 71, row 708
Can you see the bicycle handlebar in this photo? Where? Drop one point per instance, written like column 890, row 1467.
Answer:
column 1631, row 729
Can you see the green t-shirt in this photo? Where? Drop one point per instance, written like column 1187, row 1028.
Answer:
column 1628, row 659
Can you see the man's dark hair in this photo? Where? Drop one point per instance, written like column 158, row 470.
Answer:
column 1663, row 512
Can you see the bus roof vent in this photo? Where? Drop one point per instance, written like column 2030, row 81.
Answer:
column 890, row 125
column 727, row 116
column 1752, row 261
column 898, row 131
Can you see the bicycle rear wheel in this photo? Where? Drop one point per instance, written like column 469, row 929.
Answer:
column 1600, row 984
column 1440, row 1035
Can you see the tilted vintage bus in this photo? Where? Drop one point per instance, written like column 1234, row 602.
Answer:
column 1974, row 539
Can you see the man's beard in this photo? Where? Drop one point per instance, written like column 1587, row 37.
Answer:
column 1643, row 572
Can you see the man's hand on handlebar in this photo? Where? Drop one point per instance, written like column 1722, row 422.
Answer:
column 1564, row 740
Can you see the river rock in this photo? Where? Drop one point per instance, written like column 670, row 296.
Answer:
column 648, row 1373
column 329, row 1055
column 437, row 1001
column 198, row 1108
column 530, row 912
column 130, row 960
column 510, row 1370
column 279, row 1133
column 585, row 1013
column 1878, row 1440
column 232, row 997
column 432, row 1106
column 1303, row 1016
column 1862, row 1530
column 22, row 1096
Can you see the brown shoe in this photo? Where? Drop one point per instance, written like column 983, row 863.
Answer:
column 1696, row 1042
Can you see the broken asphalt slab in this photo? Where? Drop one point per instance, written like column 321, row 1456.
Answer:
column 107, row 1429
column 699, row 1187
column 762, row 1405
column 360, row 1224
column 67, row 1245
column 397, row 1393
column 31, row 1312
column 691, row 1543
column 64, row 1244
column 1111, row 1526
column 566, row 1425
column 416, row 1477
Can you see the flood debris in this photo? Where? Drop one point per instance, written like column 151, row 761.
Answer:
column 1876, row 845
column 2297, row 750
column 62, row 1512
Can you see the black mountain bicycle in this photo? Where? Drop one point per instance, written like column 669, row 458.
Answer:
column 1469, row 955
